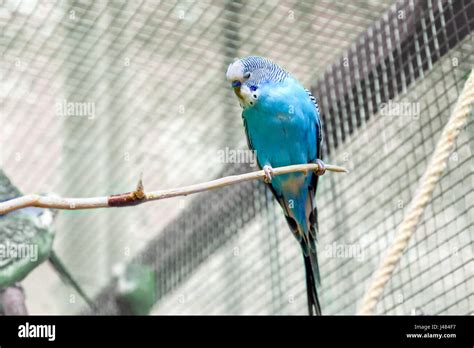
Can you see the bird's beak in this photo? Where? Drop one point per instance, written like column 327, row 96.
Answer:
column 237, row 85
column 238, row 92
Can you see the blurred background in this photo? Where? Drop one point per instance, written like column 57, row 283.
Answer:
column 95, row 92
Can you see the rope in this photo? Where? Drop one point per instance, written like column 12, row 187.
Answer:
column 464, row 106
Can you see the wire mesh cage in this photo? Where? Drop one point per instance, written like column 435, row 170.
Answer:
column 95, row 93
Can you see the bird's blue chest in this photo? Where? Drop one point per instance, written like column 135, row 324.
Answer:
column 281, row 129
column 274, row 135
column 281, row 126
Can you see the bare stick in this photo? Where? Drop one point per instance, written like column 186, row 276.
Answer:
column 140, row 196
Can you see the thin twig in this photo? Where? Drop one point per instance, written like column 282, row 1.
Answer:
column 139, row 196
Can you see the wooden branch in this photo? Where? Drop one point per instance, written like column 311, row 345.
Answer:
column 139, row 196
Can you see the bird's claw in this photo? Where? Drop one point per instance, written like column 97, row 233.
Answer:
column 322, row 167
column 268, row 170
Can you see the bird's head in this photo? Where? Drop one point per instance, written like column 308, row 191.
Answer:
column 248, row 75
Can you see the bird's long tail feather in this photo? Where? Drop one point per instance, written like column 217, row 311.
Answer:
column 67, row 278
column 312, row 281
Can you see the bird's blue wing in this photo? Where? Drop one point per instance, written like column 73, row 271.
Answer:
column 314, row 180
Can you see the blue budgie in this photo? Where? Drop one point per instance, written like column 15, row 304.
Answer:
column 281, row 120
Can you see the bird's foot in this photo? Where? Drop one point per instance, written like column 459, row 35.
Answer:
column 268, row 174
column 322, row 167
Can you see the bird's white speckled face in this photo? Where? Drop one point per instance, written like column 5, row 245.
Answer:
column 240, row 79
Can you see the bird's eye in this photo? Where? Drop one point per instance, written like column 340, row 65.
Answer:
column 247, row 75
column 253, row 88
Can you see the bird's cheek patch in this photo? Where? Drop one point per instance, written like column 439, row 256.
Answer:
column 253, row 97
column 247, row 98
